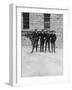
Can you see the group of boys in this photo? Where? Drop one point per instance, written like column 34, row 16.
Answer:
column 47, row 40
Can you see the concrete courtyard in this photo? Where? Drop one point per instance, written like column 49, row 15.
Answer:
column 41, row 64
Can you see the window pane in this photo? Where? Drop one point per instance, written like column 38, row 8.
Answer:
column 46, row 21
column 25, row 20
column 47, row 15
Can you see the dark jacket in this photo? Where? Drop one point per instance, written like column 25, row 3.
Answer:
column 42, row 36
column 35, row 36
column 53, row 38
column 47, row 36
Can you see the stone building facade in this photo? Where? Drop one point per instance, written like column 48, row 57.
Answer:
column 39, row 22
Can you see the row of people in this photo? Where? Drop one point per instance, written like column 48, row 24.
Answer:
column 47, row 39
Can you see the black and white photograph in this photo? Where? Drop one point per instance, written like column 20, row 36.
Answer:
column 36, row 44
column 41, row 44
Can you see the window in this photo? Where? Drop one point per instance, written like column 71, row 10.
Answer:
column 46, row 21
column 25, row 20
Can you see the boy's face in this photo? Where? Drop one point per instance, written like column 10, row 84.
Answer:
column 48, row 32
column 35, row 30
column 42, row 31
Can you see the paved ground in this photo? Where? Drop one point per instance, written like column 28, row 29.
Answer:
column 42, row 64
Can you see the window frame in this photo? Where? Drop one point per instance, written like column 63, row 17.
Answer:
column 25, row 20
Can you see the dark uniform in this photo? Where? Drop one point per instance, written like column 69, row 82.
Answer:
column 42, row 40
column 35, row 40
column 53, row 39
column 47, row 41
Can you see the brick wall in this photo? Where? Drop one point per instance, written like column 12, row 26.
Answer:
column 56, row 23
column 37, row 22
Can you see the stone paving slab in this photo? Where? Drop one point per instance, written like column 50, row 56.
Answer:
column 41, row 64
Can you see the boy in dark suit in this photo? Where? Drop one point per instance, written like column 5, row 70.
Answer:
column 53, row 40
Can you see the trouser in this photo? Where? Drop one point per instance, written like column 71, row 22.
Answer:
column 53, row 46
column 47, row 43
column 35, row 45
column 42, row 46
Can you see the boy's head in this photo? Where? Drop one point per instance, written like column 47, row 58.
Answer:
column 35, row 30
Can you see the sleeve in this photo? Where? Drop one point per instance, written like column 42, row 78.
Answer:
column 55, row 37
column 33, row 34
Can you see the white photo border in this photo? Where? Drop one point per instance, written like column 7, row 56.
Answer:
column 17, row 79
